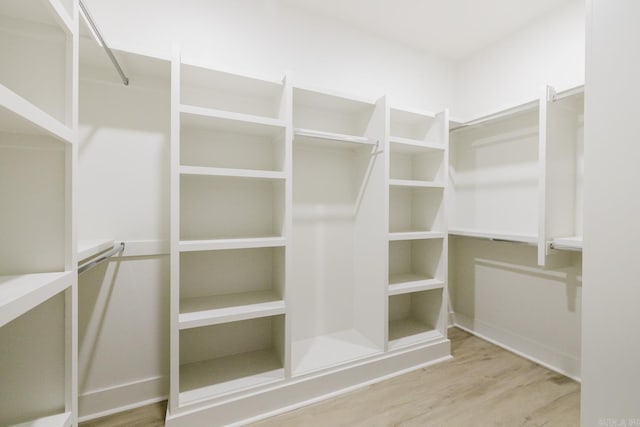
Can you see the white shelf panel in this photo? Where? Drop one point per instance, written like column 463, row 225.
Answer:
column 415, row 183
column 417, row 235
column 305, row 135
column 234, row 173
column 241, row 243
column 58, row 420
column 329, row 100
column 330, row 350
column 573, row 243
column 491, row 235
column 89, row 248
column 405, row 332
column 17, row 115
column 407, row 283
column 413, row 146
column 210, row 378
column 19, row 294
column 210, row 118
column 212, row 310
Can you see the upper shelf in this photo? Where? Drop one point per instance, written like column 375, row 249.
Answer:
column 219, row 90
column 313, row 136
column 90, row 248
column 413, row 125
column 496, row 236
column 328, row 113
column 413, row 146
column 19, row 294
column 220, row 120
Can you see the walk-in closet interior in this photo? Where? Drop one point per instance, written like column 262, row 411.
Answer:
column 242, row 208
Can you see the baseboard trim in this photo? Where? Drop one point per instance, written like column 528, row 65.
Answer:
column 534, row 351
column 122, row 397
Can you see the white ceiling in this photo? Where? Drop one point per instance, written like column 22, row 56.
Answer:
column 451, row 28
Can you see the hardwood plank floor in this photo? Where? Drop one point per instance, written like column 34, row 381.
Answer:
column 483, row 385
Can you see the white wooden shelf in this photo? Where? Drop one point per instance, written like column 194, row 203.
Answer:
column 192, row 115
column 406, row 332
column 416, row 235
column 573, row 243
column 498, row 236
column 240, row 243
column 306, row 135
column 58, row 420
column 89, row 248
column 206, row 379
column 413, row 146
column 19, row 294
column 212, row 310
column 407, row 283
column 233, row 173
column 415, row 183
column 17, row 115
column 330, row 350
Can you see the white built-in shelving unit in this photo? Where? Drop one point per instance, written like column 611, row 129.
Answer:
column 417, row 242
column 516, row 175
column 38, row 280
column 230, row 180
column 561, row 226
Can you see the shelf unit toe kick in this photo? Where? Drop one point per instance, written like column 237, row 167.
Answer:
column 278, row 396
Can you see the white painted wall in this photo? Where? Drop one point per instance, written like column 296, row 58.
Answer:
column 611, row 341
column 548, row 51
column 267, row 37
column 498, row 291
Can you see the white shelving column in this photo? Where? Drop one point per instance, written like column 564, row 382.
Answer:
column 230, row 186
column 418, row 164
column 38, row 261
column 562, row 170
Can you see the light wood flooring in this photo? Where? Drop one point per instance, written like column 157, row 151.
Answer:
column 483, row 385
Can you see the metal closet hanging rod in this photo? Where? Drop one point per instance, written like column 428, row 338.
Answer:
column 117, row 248
column 108, row 51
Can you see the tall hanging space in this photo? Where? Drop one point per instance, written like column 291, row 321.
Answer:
column 337, row 288
column 38, row 279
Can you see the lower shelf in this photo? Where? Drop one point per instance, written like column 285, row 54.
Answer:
column 206, row 379
column 329, row 350
column 58, row 420
column 406, row 332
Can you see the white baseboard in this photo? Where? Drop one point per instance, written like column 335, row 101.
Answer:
column 537, row 352
column 122, row 397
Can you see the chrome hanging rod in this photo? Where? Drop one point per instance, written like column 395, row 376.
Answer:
column 96, row 32
column 516, row 109
column 117, row 248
